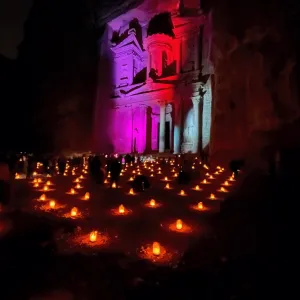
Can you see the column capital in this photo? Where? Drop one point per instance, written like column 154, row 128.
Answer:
column 162, row 103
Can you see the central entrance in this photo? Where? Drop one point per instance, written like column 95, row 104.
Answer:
column 167, row 135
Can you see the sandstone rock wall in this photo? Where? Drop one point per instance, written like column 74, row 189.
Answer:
column 254, row 83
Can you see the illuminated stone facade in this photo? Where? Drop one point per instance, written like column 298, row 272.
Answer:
column 161, row 77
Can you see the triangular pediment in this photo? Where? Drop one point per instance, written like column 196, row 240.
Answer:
column 130, row 40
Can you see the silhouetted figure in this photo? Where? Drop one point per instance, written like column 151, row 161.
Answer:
column 127, row 159
column 140, row 183
column 115, row 170
column 96, row 171
column 4, row 182
column 236, row 165
column 30, row 167
column 62, row 165
column 184, row 177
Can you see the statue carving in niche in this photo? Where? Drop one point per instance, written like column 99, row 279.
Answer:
column 188, row 131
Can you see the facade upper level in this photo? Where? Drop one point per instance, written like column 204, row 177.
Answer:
column 158, row 41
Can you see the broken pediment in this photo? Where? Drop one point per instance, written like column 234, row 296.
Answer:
column 130, row 41
column 143, row 88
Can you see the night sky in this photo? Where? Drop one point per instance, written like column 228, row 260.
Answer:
column 13, row 14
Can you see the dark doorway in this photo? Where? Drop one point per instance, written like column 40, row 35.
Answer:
column 167, row 136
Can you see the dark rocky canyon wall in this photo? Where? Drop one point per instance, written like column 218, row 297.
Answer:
column 58, row 72
column 255, row 82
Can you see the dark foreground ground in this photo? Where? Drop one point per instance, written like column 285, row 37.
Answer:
column 238, row 260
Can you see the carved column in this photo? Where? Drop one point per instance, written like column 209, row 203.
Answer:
column 162, row 127
column 196, row 104
column 148, row 67
column 177, row 127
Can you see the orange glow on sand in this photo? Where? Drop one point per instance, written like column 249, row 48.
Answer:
column 86, row 196
column 78, row 186
column 157, row 254
column 180, row 227
column 222, row 190
column 167, row 187
column 121, row 211
column 212, row 197
column 199, row 207
column 152, row 204
column 205, row 181
column 94, row 239
column 182, row 193
column 72, row 192
column 197, row 188
column 42, row 197
column 226, row 183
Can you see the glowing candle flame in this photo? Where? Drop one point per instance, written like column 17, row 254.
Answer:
column 179, row 224
column 105, row 181
column 114, row 185
column 36, row 185
column 34, row 173
column 131, row 179
column 211, row 177
column 93, row 236
column 167, row 186
column 52, row 204
column 72, row 191
column 204, row 181
column 78, row 186
column 156, row 248
column 34, row 180
column 87, row 196
column 226, row 183
column 151, row 175
column 45, row 188
column 65, row 174
column 131, row 192
column 81, row 177
column 205, row 166
column 121, row 209
column 222, row 189
column 200, row 205
column 43, row 197
column 159, row 172
column 48, row 182
column 17, row 176
column 77, row 180
column 74, row 211
column 166, row 178
column 152, row 202
column 182, row 193
column 197, row 187
column 39, row 180
column 212, row 197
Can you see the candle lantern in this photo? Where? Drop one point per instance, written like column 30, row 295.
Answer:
column 156, row 248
